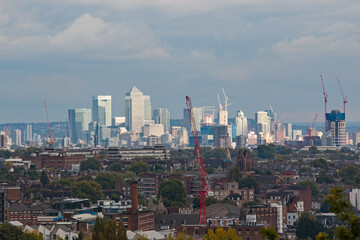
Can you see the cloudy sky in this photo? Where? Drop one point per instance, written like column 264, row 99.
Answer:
column 262, row 52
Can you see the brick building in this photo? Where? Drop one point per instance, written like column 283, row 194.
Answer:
column 56, row 161
column 26, row 214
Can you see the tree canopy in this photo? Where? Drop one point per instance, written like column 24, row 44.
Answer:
column 173, row 193
column 307, row 226
column 107, row 180
column 87, row 189
column 139, row 167
column 90, row 164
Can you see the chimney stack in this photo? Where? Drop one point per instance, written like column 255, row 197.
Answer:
column 134, row 196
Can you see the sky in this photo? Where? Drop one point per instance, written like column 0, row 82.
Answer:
column 262, row 52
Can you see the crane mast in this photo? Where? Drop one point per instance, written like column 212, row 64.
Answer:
column 311, row 129
column 325, row 98
column 204, row 186
column 345, row 101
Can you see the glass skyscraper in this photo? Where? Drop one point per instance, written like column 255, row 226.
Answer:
column 162, row 116
column 79, row 120
column 101, row 110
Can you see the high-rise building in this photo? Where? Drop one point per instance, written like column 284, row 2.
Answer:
column 198, row 116
column 223, row 117
column 222, row 138
column 262, row 122
column 28, row 133
column 336, row 126
column 18, row 137
column 162, row 116
column 117, row 121
column 289, row 131
column 101, row 110
column 241, row 124
column 137, row 109
column 79, row 120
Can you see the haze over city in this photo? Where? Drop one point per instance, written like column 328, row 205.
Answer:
column 261, row 52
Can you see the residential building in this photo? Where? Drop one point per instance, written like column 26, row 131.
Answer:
column 79, row 120
column 162, row 116
column 336, row 126
column 101, row 110
column 28, row 133
column 354, row 197
column 137, row 109
column 18, row 137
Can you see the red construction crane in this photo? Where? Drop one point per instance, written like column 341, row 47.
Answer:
column 311, row 129
column 325, row 98
column 345, row 101
column 51, row 141
column 204, row 186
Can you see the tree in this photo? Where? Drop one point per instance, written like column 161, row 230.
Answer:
column 269, row 233
column 33, row 174
column 139, row 167
column 322, row 163
column 249, row 183
column 350, row 174
column 307, row 226
column 173, row 193
column 10, row 232
column 44, row 179
column 107, row 180
column 116, row 167
column 325, row 178
column 87, row 189
column 90, row 164
column 266, row 151
column 314, row 150
column 314, row 187
column 34, row 235
column 221, row 234
column 234, row 174
column 342, row 208
column 121, row 232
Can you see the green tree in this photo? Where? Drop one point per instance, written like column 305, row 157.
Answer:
column 234, row 174
column 307, row 226
column 10, row 232
column 139, row 167
column 266, row 151
column 314, row 150
column 44, row 179
column 173, row 193
column 32, row 174
column 221, row 234
column 87, row 189
column 340, row 205
column 121, row 232
column 269, row 233
column 90, row 164
column 322, row 163
column 116, row 167
column 249, row 183
column 350, row 174
column 314, row 187
column 107, row 180
column 325, row 178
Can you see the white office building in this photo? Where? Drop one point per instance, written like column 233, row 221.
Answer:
column 137, row 109
column 241, row 124
column 162, row 116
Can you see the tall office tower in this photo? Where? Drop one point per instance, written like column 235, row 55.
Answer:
column 223, row 117
column 198, row 116
column 137, row 109
column 262, row 122
column 289, row 131
column 241, row 124
column 117, row 121
column 280, row 133
column 222, row 138
column 28, row 133
column 272, row 121
column 18, row 137
column 147, row 108
column 101, row 110
column 336, row 126
column 162, row 116
column 79, row 120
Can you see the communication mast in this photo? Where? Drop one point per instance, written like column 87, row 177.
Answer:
column 204, row 185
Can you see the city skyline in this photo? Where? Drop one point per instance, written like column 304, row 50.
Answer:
column 261, row 52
